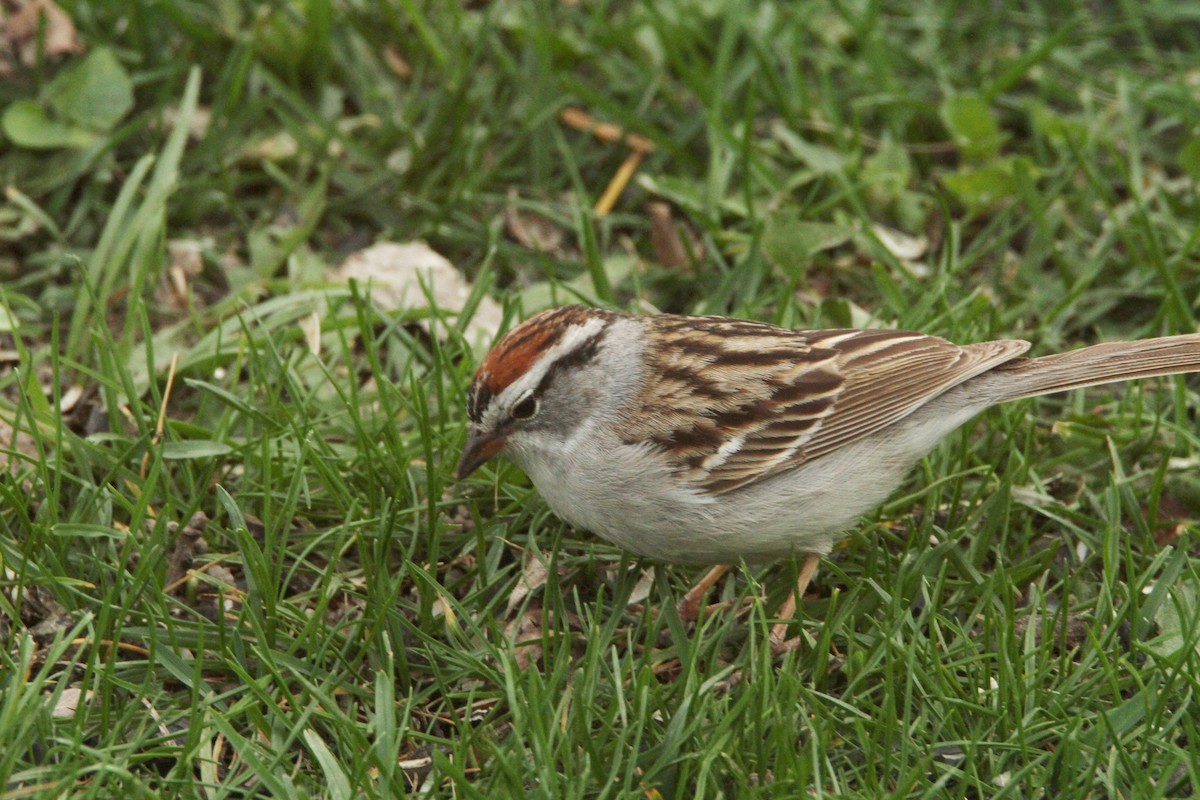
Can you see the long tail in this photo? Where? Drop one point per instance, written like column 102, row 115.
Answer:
column 1091, row 366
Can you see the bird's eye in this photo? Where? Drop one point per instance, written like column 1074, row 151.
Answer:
column 526, row 408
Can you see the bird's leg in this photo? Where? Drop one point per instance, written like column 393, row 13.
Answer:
column 689, row 606
column 779, row 640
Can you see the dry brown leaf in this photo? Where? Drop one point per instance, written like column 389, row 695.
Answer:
column 281, row 146
column 68, row 703
column 641, row 589
column 581, row 120
column 533, row 577
column 399, row 276
column 730, row 683
column 524, row 632
column 669, row 248
column 183, row 551
column 185, row 262
column 1069, row 631
column 668, row 670
column 34, row 19
column 532, row 230
column 397, row 63
column 904, row 247
column 310, row 326
column 70, row 398
column 18, row 442
column 198, row 122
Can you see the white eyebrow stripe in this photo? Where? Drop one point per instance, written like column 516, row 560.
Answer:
column 576, row 336
column 573, row 338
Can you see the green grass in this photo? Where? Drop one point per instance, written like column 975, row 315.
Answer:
column 1022, row 619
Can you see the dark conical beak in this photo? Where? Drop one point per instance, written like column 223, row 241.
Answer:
column 479, row 448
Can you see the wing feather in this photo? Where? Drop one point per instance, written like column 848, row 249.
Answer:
column 771, row 399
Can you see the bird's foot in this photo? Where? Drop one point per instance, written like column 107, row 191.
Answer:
column 689, row 606
column 689, row 609
column 780, row 644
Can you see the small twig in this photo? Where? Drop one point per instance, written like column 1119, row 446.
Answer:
column 580, row 120
column 617, row 185
column 133, row 648
column 162, row 414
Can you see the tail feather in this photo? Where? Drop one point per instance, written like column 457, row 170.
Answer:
column 1091, row 366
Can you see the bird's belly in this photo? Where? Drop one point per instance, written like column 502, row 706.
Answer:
column 799, row 512
column 634, row 502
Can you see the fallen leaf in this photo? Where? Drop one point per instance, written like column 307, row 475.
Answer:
column 531, row 229
column 57, row 32
column 641, row 589
column 310, row 326
column 524, row 632
column 1069, row 631
column 14, row 442
column 68, row 703
column 70, row 398
column 182, row 552
column 281, row 146
column 185, row 261
column 397, row 63
column 403, row 276
column 901, row 245
column 198, row 122
column 533, row 577
column 669, row 247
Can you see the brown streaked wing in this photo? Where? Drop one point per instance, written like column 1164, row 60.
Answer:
column 743, row 375
column 767, row 438
column 890, row 374
column 776, row 398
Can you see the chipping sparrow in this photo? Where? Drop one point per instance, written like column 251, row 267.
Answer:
column 706, row 440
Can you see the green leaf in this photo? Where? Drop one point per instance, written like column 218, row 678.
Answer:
column 985, row 185
column 1178, row 620
column 1185, row 488
column 1057, row 128
column 821, row 160
column 336, row 781
column 27, row 124
column 887, row 172
column 83, row 530
column 544, row 294
column 790, row 242
column 972, row 126
column 195, row 448
column 95, row 92
column 8, row 320
column 1189, row 159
